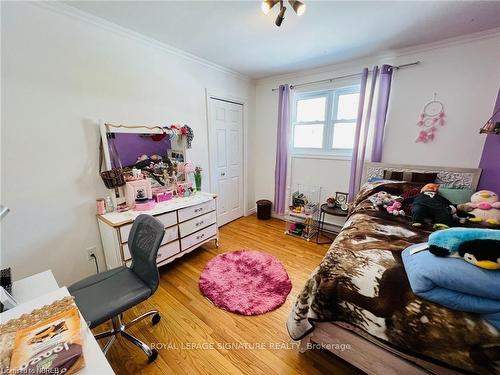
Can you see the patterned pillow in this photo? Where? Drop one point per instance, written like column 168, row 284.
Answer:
column 424, row 178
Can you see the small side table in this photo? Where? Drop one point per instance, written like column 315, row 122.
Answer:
column 325, row 210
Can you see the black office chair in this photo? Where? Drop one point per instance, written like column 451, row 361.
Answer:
column 108, row 294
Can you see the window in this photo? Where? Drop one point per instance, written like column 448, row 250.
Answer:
column 324, row 122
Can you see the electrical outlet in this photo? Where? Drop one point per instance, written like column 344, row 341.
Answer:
column 91, row 252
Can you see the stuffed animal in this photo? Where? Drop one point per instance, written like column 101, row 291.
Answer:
column 429, row 205
column 480, row 247
column 383, row 198
column 484, row 205
column 396, row 209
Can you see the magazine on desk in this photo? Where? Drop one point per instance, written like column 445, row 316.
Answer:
column 53, row 346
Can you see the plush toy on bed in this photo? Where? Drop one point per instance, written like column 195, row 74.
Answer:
column 396, row 209
column 382, row 198
column 392, row 203
column 429, row 205
column 484, row 205
column 480, row 247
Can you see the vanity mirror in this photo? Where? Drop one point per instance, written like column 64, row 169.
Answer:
column 139, row 152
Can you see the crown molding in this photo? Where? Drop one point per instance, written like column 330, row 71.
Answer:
column 386, row 56
column 67, row 10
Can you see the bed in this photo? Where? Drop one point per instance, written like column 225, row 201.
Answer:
column 358, row 303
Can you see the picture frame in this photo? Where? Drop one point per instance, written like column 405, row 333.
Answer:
column 341, row 200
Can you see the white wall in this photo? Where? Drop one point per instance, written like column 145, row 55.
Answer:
column 465, row 74
column 60, row 75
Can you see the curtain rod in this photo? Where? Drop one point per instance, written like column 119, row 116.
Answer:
column 345, row 76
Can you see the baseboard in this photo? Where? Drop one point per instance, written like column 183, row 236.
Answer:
column 251, row 211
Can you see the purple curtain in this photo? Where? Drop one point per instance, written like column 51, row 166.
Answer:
column 490, row 178
column 357, row 134
column 384, row 91
column 282, row 149
column 362, row 153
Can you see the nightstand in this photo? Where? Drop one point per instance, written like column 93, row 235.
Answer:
column 325, row 210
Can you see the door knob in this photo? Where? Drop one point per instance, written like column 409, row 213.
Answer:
column 223, row 173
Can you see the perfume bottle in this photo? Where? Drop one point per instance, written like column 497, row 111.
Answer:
column 109, row 205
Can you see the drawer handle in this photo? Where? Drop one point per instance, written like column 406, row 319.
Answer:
column 199, row 223
column 200, row 236
column 198, row 209
column 158, row 255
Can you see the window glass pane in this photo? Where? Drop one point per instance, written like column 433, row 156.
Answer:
column 348, row 106
column 343, row 135
column 311, row 109
column 308, row 136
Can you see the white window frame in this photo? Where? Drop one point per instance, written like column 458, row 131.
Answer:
column 331, row 108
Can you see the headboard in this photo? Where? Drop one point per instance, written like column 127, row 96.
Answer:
column 460, row 178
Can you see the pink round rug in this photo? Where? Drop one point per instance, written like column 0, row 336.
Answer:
column 245, row 282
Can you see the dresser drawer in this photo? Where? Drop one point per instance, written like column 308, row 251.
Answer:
column 168, row 250
column 168, row 219
column 171, row 234
column 197, row 223
column 198, row 237
column 194, row 211
column 124, row 232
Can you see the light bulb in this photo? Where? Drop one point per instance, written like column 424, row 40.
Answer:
column 266, row 7
column 301, row 9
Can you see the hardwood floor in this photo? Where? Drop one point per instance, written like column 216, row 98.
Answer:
column 199, row 338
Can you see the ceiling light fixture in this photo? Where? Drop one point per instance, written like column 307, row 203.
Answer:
column 281, row 16
column 298, row 6
column 267, row 5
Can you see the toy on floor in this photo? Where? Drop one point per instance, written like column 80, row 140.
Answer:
column 430, row 206
column 485, row 206
column 480, row 247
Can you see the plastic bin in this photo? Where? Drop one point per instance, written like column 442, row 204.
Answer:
column 264, row 209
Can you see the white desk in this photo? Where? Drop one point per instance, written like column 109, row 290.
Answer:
column 31, row 287
column 95, row 361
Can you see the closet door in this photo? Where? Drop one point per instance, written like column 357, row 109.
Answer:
column 226, row 158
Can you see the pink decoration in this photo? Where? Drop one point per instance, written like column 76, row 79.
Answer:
column 189, row 168
column 161, row 194
column 245, row 282
column 145, row 206
column 138, row 189
column 431, row 116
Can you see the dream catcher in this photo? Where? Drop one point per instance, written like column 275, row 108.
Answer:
column 431, row 118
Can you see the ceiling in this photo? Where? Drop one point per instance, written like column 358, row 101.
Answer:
column 238, row 36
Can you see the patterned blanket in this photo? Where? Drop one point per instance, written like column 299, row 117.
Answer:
column 362, row 281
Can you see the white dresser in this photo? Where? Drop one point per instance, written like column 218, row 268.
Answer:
column 189, row 222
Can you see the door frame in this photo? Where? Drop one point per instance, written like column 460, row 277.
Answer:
column 217, row 94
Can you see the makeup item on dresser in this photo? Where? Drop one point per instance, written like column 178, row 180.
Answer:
column 136, row 173
column 122, row 207
column 109, row 205
column 100, row 206
column 182, row 187
column 146, row 205
column 161, row 194
column 138, row 191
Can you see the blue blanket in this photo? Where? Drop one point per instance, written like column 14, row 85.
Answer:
column 454, row 283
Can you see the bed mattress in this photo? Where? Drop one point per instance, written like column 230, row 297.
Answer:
column 361, row 281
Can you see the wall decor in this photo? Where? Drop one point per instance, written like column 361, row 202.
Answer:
column 431, row 117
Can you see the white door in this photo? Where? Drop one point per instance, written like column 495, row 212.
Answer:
column 226, row 158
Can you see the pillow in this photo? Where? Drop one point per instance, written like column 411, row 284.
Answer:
column 425, row 178
column 456, row 196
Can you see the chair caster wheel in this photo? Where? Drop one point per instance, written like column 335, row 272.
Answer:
column 153, row 355
column 156, row 319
